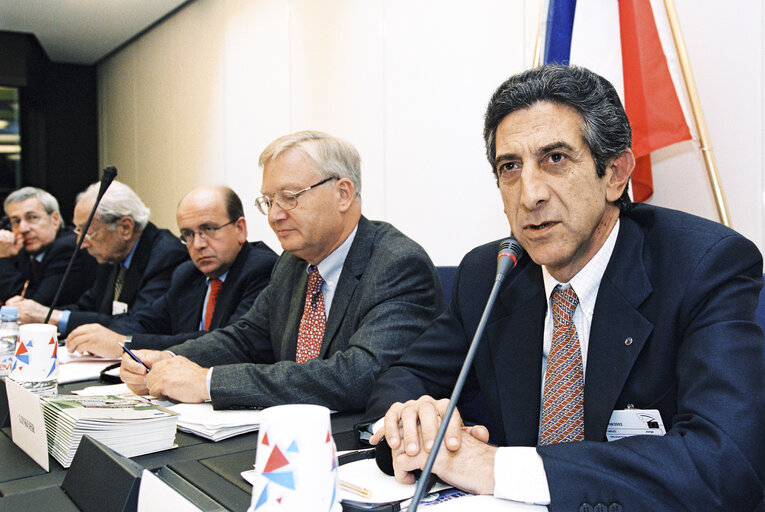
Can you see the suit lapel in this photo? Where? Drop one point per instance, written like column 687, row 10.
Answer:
column 108, row 296
column 138, row 265
column 225, row 304
column 618, row 332
column 354, row 266
column 514, row 337
column 191, row 304
column 299, row 283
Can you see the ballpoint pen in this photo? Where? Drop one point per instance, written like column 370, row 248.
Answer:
column 135, row 357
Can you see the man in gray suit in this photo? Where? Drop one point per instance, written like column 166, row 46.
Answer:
column 345, row 298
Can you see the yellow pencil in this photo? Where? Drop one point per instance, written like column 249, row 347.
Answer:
column 24, row 290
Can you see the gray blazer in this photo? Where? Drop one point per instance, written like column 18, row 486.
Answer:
column 388, row 292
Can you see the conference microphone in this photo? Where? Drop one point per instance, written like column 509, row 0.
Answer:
column 510, row 251
column 107, row 177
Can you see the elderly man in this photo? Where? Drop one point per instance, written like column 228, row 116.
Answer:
column 214, row 289
column 345, row 298
column 35, row 254
column 619, row 316
column 136, row 260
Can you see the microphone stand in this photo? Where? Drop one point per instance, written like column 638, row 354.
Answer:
column 109, row 174
column 509, row 249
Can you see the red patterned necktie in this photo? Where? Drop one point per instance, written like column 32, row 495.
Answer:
column 312, row 324
column 212, row 298
column 563, row 396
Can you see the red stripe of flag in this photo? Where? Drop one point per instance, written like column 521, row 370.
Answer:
column 651, row 101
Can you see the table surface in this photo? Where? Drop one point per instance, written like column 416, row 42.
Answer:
column 214, row 468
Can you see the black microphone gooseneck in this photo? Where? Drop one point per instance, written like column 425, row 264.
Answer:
column 510, row 252
column 106, row 179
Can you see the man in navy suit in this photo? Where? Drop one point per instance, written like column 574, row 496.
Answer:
column 136, row 260
column 34, row 254
column 345, row 298
column 223, row 266
column 662, row 326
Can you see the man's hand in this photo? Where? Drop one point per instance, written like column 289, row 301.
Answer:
column 10, row 243
column 465, row 460
column 171, row 377
column 96, row 340
column 134, row 374
column 31, row 312
column 470, row 468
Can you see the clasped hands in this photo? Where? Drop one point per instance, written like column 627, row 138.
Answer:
column 465, row 460
column 173, row 377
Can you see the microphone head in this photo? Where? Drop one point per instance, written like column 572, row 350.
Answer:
column 384, row 457
column 510, row 251
column 109, row 174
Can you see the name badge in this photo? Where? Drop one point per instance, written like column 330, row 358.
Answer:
column 634, row 422
column 119, row 307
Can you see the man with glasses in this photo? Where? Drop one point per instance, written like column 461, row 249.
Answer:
column 136, row 260
column 345, row 298
column 225, row 275
column 35, row 252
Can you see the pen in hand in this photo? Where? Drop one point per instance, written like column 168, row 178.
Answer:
column 135, row 358
column 24, row 290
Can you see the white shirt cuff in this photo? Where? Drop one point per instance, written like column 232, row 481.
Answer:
column 519, row 475
column 209, row 378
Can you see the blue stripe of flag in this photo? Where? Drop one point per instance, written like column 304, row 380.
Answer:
column 560, row 23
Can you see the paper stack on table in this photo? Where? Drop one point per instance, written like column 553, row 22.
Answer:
column 202, row 420
column 131, row 426
column 199, row 419
column 75, row 367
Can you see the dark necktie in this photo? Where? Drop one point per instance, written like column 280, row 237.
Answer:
column 563, row 395
column 33, row 265
column 119, row 283
column 212, row 299
column 312, row 324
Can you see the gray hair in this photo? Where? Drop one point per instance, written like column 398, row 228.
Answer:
column 48, row 202
column 118, row 201
column 605, row 127
column 334, row 158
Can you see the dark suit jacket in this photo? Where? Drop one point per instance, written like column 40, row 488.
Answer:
column 15, row 271
column 388, row 292
column 156, row 257
column 683, row 291
column 176, row 315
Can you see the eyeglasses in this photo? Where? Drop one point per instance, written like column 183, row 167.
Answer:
column 88, row 236
column 205, row 233
column 287, row 200
column 29, row 218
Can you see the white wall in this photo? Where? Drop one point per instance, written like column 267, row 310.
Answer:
column 195, row 100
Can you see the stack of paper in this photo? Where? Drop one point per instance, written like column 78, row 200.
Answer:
column 202, row 420
column 129, row 425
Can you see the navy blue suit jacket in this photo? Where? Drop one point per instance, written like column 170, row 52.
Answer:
column 42, row 288
column 673, row 329
column 176, row 315
column 154, row 260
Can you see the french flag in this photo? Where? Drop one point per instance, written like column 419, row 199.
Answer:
column 630, row 43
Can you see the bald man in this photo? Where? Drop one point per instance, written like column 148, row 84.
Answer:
column 215, row 288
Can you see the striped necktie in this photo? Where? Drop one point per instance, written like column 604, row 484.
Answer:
column 563, row 395
column 212, row 299
column 119, row 283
